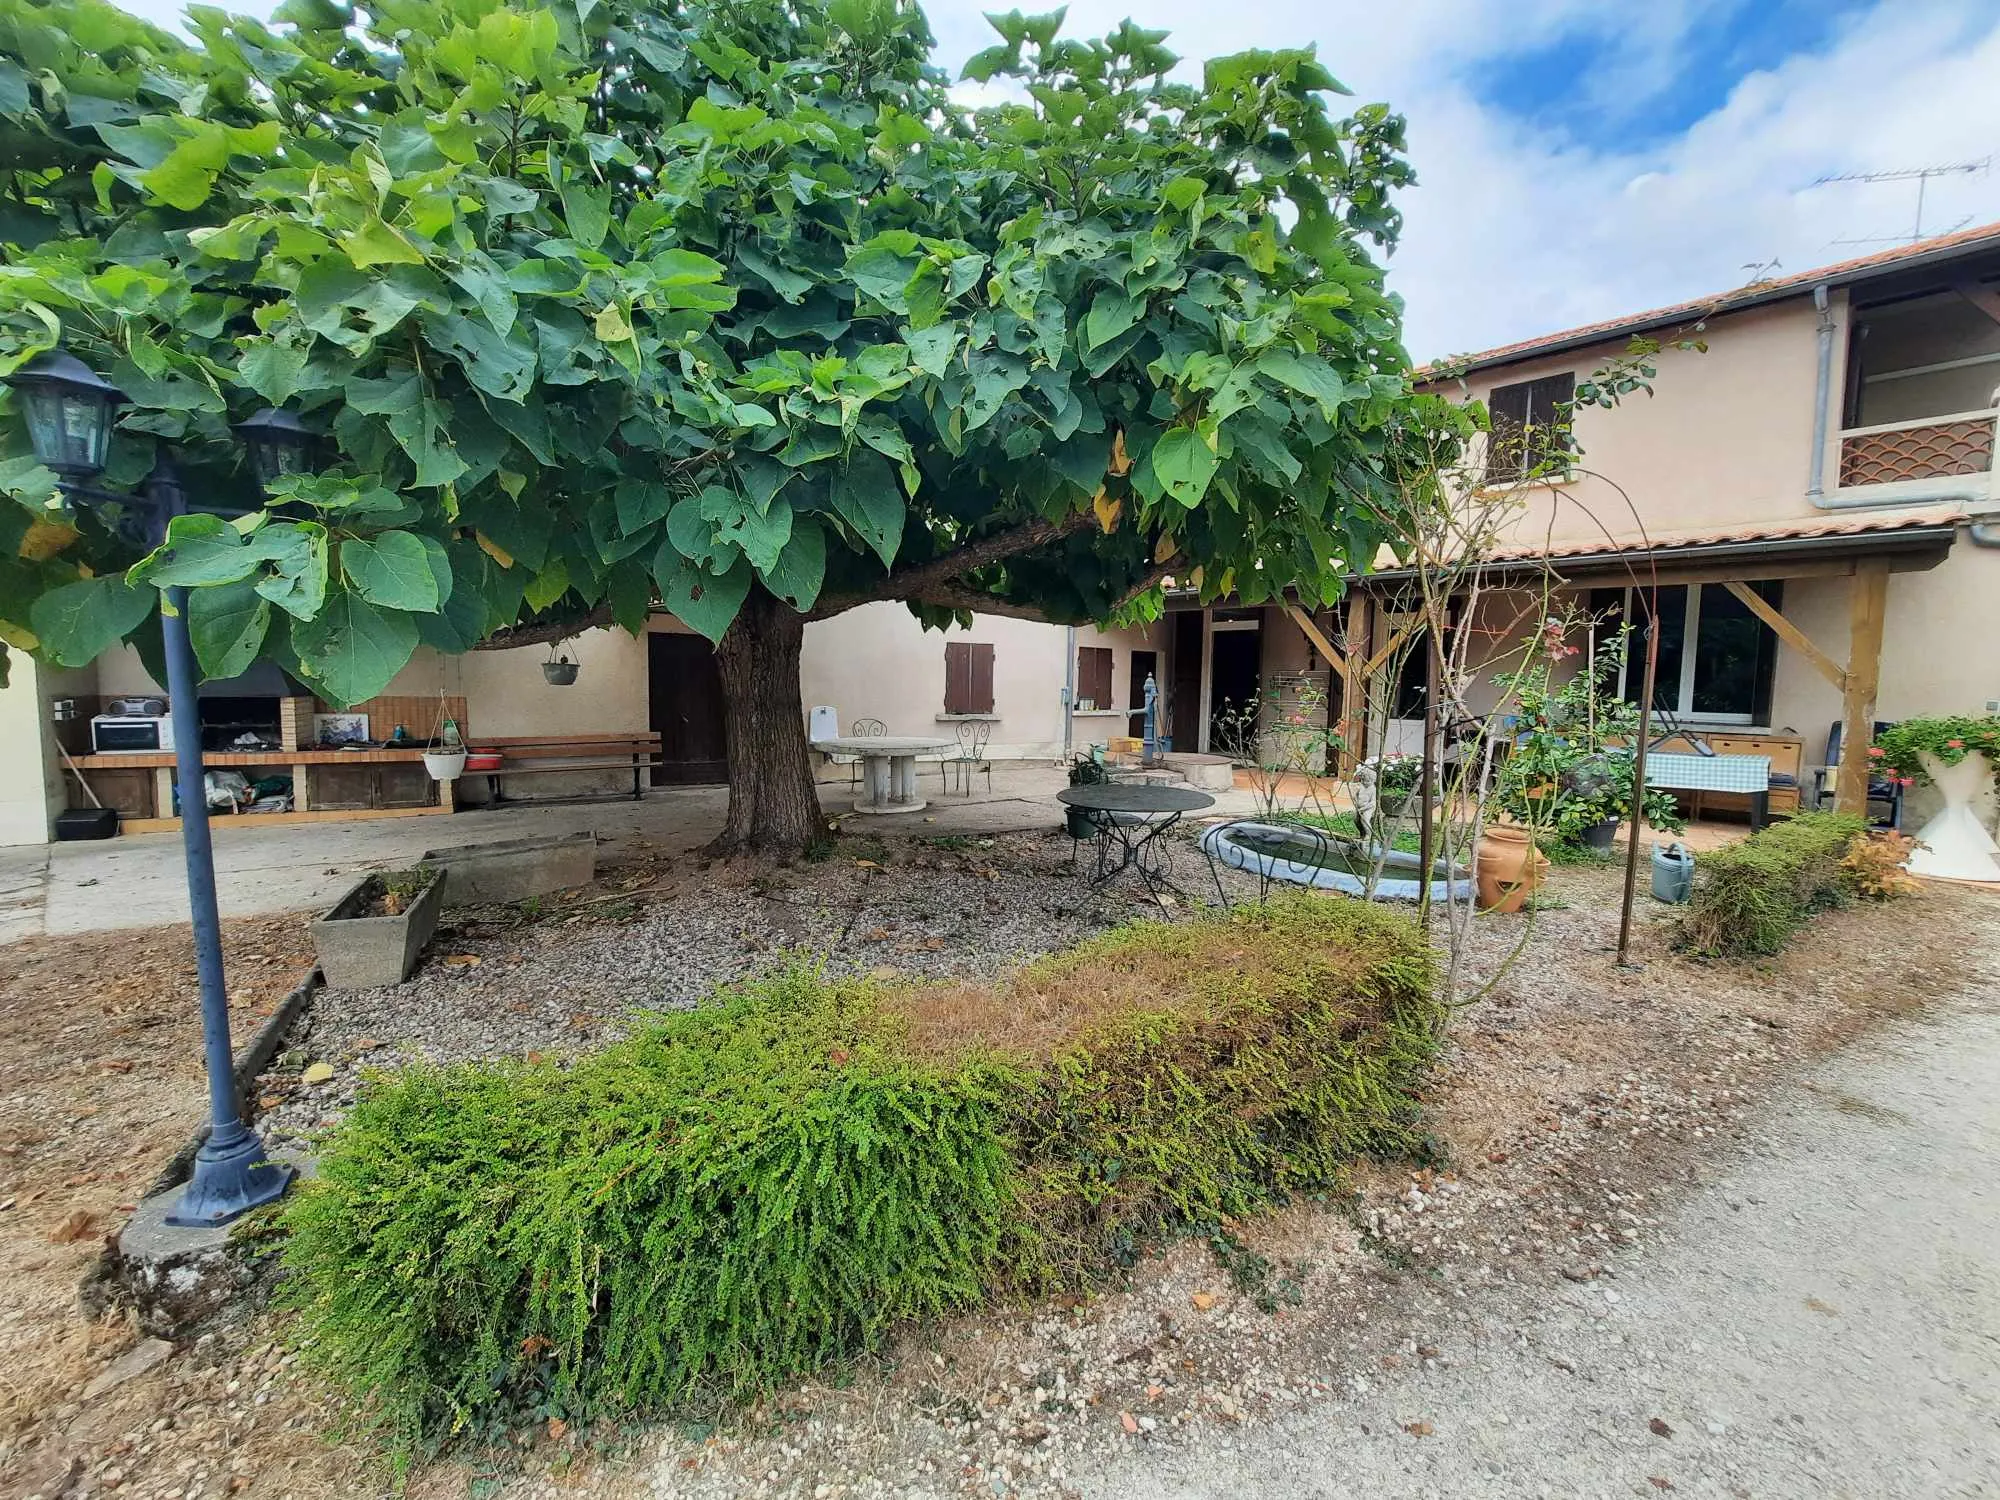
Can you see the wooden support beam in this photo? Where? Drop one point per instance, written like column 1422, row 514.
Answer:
column 1313, row 633
column 1867, row 604
column 1375, row 662
column 1789, row 633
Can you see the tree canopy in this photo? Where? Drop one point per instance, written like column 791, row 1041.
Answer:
column 611, row 302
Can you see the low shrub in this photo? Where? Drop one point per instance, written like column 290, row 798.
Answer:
column 739, row 1194
column 1751, row 897
column 1163, row 1076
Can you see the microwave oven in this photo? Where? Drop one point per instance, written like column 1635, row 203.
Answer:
column 113, row 734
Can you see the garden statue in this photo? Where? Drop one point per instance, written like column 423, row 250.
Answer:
column 1363, row 794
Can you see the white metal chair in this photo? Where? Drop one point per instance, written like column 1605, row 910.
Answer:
column 972, row 737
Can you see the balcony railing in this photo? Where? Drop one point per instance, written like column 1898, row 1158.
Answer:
column 1923, row 448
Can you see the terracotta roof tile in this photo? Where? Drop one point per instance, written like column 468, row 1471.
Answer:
column 1760, row 291
column 1801, row 529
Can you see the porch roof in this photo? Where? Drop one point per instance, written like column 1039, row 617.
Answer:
column 1910, row 540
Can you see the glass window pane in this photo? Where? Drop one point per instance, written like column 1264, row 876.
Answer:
column 1673, row 627
column 1729, row 657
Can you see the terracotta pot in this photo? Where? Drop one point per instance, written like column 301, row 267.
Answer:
column 1508, row 867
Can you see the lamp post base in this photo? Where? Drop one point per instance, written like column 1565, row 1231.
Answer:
column 231, row 1177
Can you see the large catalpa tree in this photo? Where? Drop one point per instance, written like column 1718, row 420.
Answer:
column 722, row 307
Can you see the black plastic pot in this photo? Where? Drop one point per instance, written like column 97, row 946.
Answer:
column 1598, row 836
column 1080, row 823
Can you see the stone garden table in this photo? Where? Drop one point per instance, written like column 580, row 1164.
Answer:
column 888, row 768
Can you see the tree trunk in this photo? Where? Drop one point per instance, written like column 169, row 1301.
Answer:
column 773, row 804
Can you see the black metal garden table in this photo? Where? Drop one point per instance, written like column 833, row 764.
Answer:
column 1134, row 815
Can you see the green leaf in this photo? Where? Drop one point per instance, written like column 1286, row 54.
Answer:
column 699, row 599
column 588, row 210
column 866, row 497
column 271, row 369
column 297, row 580
column 487, row 285
column 199, row 549
column 801, row 567
column 392, row 570
column 227, row 626
column 1112, row 311
column 466, row 617
column 378, row 244
column 77, row 622
column 641, row 503
column 548, row 585
column 1184, row 465
column 789, row 285
column 1308, row 374
column 352, row 649
column 931, row 348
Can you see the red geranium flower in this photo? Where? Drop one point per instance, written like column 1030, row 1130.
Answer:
column 1876, row 752
column 1954, row 744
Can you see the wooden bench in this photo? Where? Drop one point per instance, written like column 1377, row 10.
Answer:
column 556, row 755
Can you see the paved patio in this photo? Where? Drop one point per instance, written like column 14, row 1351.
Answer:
column 138, row 881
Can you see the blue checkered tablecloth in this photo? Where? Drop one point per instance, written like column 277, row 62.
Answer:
column 1680, row 772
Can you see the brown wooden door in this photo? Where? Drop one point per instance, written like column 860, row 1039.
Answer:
column 686, row 711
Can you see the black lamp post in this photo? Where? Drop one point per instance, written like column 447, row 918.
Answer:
column 70, row 412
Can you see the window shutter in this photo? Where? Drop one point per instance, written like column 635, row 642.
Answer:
column 1093, row 675
column 968, row 677
column 981, row 696
column 1529, row 424
column 1508, row 407
column 957, row 676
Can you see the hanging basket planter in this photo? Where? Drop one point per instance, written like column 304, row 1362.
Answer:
column 561, row 672
column 445, row 765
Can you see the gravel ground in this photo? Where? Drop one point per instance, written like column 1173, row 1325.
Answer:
column 1578, row 1108
column 568, row 973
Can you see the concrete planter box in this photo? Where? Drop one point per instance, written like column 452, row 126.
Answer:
column 363, row 953
column 518, row 868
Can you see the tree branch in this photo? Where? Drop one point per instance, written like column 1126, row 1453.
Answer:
column 919, row 581
column 545, row 632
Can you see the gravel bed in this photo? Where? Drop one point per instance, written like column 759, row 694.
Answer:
column 569, row 973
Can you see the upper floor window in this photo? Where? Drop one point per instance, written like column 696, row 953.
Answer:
column 1530, row 426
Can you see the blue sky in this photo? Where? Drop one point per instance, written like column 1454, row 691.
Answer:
column 1634, row 103
column 1582, row 159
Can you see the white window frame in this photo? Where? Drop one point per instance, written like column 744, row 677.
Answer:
column 1682, row 708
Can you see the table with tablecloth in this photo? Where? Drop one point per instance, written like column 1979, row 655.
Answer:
column 1678, row 771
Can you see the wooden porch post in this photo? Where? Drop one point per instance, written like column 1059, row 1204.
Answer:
column 1354, row 697
column 1864, row 670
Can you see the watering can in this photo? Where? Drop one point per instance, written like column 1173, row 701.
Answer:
column 1673, row 873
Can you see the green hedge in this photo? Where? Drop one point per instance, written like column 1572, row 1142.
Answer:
column 739, row 1194
column 1751, row 897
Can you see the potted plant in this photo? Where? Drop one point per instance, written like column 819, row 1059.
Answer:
column 1959, row 755
column 373, row 935
column 559, row 669
column 1080, row 822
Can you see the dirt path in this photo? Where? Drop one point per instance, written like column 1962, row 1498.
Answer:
column 1821, row 1319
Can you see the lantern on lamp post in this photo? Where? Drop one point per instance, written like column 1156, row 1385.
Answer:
column 70, row 413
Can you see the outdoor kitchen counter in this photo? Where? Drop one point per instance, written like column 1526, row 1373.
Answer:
column 300, row 764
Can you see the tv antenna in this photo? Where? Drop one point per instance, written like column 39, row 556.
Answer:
column 1922, row 177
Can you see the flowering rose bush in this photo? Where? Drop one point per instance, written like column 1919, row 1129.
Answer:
column 1898, row 749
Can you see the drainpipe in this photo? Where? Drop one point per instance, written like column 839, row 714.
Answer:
column 1816, row 489
column 1069, row 693
column 1985, row 533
